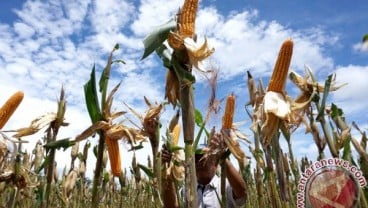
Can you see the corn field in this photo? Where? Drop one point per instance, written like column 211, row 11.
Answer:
column 272, row 172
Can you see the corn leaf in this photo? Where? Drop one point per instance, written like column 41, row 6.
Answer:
column 165, row 55
column 183, row 75
column 198, row 117
column 324, row 98
column 335, row 111
column 346, row 155
column 365, row 38
column 154, row 40
column 43, row 164
column 62, row 143
column 90, row 93
column 146, row 170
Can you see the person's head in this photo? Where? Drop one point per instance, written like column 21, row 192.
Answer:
column 205, row 167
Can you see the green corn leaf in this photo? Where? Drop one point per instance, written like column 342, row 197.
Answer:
column 198, row 117
column 198, row 137
column 365, row 38
column 90, row 93
column 146, row 170
column 346, row 155
column 157, row 37
column 174, row 148
column 119, row 61
column 324, row 98
column 165, row 55
column 62, row 143
column 335, row 111
column 137, row 147
column 104, row 80
column 43, row 164
column 184, row 76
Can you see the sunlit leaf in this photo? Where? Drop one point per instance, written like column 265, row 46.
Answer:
column 157, row 37
column 198, row 117
column 90, row 93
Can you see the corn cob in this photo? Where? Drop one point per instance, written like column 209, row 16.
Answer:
column 279, row 75
column 175, row 41
column 187, row 18
column 69, row 184
column 114, row 155
column 7, row 110
column 174, row 121
column 227, row 119
column 186, row 25
column 175, row 134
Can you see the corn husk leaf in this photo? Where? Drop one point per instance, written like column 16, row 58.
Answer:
column 100, row 125
column 35, row 125
column 198, row 52
column 276, row 104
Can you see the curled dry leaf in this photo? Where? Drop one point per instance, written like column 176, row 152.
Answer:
column 36, row 125
column 197, row 52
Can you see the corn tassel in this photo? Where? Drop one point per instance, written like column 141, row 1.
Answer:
column 280, row 72
column 7, row 110
column 227, row 119
column 114, row 155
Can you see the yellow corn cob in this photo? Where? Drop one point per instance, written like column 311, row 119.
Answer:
column 175, row 41
column 175, row 134
column 7, row 110
column 114, row 155
column 187, row 18
column 227, row 119
column 279, row 74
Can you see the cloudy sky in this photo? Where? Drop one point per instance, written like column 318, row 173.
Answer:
column 48, row 44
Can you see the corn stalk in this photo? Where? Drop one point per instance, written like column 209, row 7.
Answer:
column 52, row 132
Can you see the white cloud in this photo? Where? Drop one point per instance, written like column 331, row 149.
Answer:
column 361, row 47
column 110, row 16
column 351, row 98
column 242, row 43
column 153, row 13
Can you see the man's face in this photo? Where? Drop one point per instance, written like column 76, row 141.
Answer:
column 205, row 168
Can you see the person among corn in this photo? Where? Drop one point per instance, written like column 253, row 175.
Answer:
column 207, row 159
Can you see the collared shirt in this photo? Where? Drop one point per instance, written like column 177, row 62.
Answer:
column 209, row 196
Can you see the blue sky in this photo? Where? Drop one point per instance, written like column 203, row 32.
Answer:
column 46, row 44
